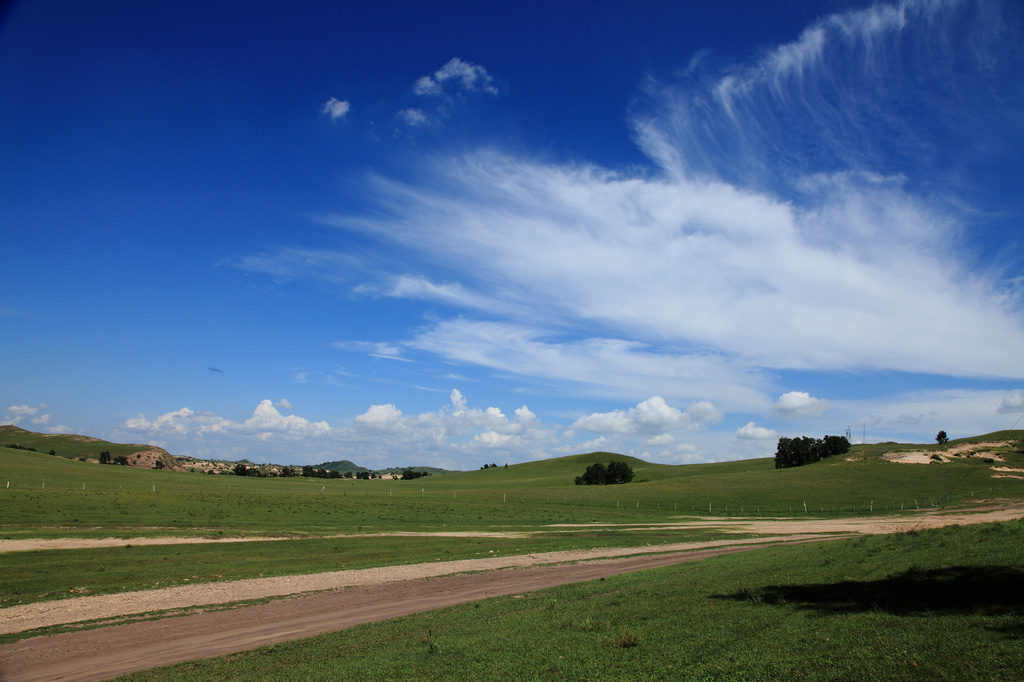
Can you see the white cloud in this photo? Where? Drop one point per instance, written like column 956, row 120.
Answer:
column 492, row 439
column 283, row 404
column 265, row 422
column 754, row 432
column 379, row 349
column 1013, row 403
column 413, row 117
column 380, row 417
column 457, row 73
column 663, row 439
column 336, row 108
column 653, row 415
column 381, row 436
column 612, row 367
column 593, row 445
column 17, row 414
column 797, row 404
column 702, row 266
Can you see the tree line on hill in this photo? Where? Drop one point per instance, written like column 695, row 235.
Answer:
column 599, row 474
column 15, row 446
column 796, row 452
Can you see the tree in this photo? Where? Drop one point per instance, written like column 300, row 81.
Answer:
column 596, row 474
column 159, row 464
column 941, row 438
column 121, row 460
column 599, row 474
column 241, row 470
column 795, row 452
column 619, row 472
column 105, row 457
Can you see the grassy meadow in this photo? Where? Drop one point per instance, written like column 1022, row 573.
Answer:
column 770, row 614
column 941, row 604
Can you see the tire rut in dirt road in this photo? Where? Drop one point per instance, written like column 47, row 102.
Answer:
column 103, row 653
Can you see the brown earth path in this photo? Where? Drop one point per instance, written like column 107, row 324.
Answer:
column 26, row 617
column 346, row 598
column 103, row 653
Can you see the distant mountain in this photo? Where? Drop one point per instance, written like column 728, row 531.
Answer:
column 344, row 466
column 74, row 446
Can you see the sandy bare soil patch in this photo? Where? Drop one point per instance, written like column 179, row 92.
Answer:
column 965, row 449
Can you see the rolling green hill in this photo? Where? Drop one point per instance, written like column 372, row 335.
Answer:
column 76, row 447
column 344, row 466
column 46, row 496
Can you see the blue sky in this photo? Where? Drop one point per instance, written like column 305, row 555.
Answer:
column 461, row 233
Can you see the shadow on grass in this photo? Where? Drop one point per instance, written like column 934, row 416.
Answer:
column 980, row 590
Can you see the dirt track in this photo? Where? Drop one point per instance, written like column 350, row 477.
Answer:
column 347, row 598
column 107, row 652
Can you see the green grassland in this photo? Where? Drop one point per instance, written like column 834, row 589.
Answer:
column 45, row 496
column 740, row 617
column 337, row 523
column 941, row 604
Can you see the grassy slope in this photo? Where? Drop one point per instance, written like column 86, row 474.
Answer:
column 44, row 496
column 72, row 446
column 931, row 605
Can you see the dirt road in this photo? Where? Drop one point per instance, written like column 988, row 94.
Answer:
column 332, row 601
column 107, row 652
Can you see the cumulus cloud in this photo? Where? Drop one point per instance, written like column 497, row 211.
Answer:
column 797, row 404
column 380, row 417
column 1013, row 403
column 653, row 415
column 17, row 414
column 335, row 108
column 456, row 74
column 265, row 422
column 382, row 433
column 754, row 432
